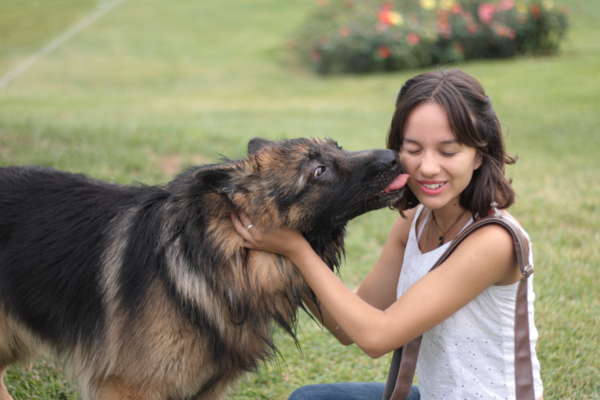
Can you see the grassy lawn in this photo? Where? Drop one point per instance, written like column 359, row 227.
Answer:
column 155, row 86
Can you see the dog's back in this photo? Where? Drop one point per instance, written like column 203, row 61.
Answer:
column 52, row 227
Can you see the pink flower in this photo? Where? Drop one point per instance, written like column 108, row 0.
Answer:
column 344, row 31
column 506, row 5
column 456, row 8
column 486, row 12
column 384, row 52
column 413, row 39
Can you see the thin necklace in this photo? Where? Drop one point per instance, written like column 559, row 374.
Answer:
column 441, row 237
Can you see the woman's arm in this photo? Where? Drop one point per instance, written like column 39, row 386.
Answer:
column 483, row 259
column 378, row 288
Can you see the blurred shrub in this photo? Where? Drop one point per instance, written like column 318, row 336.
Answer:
column 361, row 36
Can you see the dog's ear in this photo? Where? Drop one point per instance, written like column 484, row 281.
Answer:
column 216, row 180
column 257, row 144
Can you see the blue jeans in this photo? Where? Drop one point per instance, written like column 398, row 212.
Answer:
column 346, row 391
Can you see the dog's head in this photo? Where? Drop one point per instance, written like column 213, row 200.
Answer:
column 311, row 185
column 306, row 184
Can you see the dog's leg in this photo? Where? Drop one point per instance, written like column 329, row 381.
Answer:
column 4, row 395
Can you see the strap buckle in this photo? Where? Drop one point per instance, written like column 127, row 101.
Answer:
column 494, row 210
column 527, row 270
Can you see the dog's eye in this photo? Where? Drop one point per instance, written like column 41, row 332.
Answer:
column 319, row 171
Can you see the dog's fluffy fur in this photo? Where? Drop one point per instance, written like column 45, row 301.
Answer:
column 147, row 291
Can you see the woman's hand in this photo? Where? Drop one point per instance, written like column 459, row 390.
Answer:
column 284, row 241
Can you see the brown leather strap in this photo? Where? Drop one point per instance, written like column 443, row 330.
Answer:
column 390, row 384
column 405, row 359
column 406, row 369
column 523, row 362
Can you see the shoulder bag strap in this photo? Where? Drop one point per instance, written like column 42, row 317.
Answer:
column 404, row 360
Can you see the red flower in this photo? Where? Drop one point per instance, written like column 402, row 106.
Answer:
column 344, row 31
column 384, row 52
column 472, row 27
column 486, row 12
column 444, row 27
column 387, row 17
column 413, row 39
column 382, row 15
column 535, row 10
column 504, row 31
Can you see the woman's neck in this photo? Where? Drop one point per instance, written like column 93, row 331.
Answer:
column 448, row 214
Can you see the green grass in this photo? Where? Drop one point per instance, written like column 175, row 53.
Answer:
column 154, row 86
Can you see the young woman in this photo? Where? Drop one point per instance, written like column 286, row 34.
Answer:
column 449, row 139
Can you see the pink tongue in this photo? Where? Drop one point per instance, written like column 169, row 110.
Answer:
column 397, row 183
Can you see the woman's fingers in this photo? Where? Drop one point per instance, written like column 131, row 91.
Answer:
column 242, row 225
column 239, row 226
column 245, row 221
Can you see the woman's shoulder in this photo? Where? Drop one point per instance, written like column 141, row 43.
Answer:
column 495, row 244
column 500, row 231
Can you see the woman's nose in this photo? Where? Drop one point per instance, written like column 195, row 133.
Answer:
column 429, row 165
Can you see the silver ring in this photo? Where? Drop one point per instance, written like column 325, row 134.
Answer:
column 249, row 227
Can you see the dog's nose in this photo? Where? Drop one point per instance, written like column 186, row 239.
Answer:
column 386, row 158
column 375, row 161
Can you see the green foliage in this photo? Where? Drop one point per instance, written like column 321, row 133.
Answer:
column 348, row 36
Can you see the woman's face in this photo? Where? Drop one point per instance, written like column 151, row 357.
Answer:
column 440, row 167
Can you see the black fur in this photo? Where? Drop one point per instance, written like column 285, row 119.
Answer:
column 53, row 226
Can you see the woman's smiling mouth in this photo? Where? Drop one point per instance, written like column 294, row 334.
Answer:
column 431, row 187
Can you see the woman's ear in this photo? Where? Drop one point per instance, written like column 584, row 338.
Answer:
column 478, row 160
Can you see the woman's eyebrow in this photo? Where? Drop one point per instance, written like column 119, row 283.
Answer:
column 410, row 141
column 444, row 142
column 452, row 141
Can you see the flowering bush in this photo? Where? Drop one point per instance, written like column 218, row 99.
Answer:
column 361, row 36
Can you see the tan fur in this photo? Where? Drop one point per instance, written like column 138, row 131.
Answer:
column 172, row 351
column 17, row 343
column 116, row 389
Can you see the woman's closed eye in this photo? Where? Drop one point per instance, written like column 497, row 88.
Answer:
column 448, row 153
column 449, row 150
column 412, row 150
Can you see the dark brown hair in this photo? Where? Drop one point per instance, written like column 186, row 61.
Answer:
column 473, row 122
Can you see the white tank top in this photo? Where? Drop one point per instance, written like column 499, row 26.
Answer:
column 470, row 355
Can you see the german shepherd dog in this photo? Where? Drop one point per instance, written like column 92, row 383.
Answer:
column 146, row 292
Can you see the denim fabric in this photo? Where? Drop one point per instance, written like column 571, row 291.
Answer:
column 346, row 391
